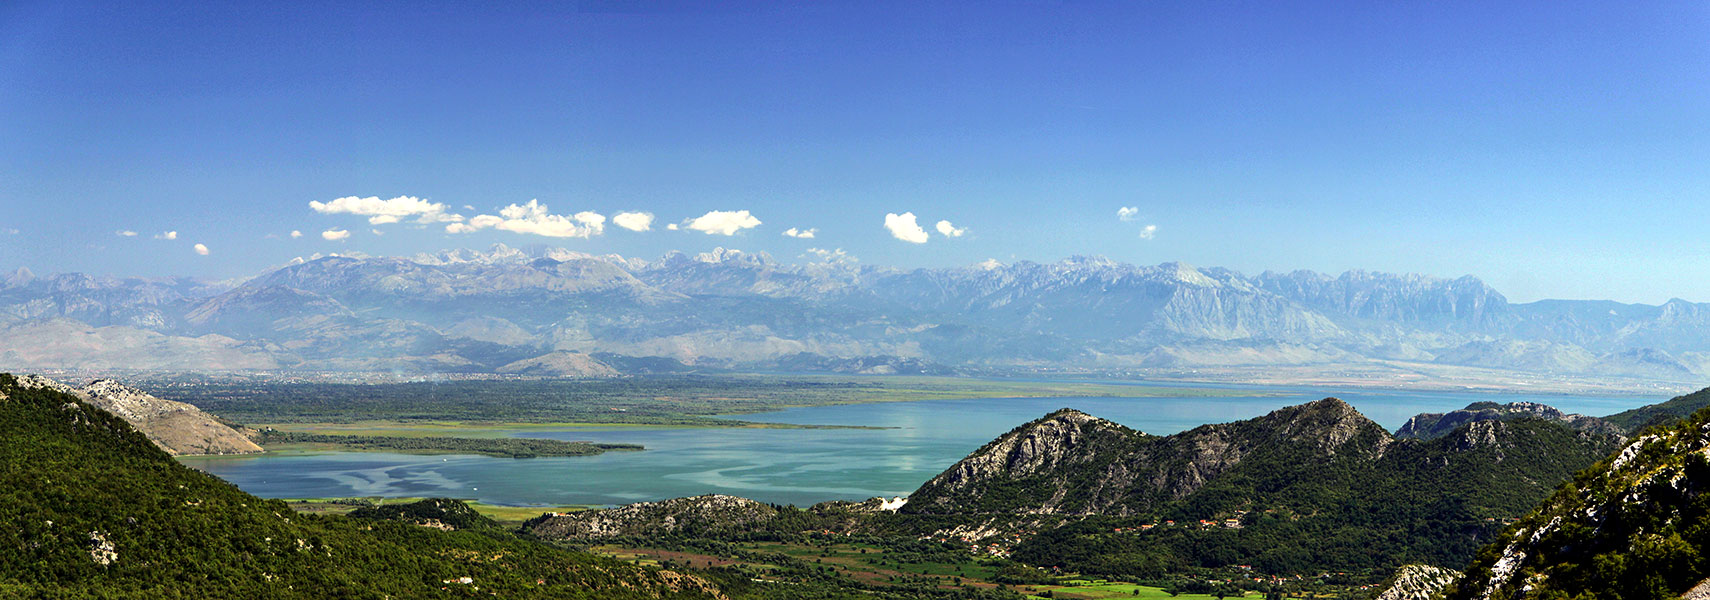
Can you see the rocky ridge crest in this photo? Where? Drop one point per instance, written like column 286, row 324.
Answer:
column 1071, row 463
column 176, row 427
column 1433, row 425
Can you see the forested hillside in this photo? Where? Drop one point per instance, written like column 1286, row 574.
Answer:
column 1305, row 489
column 93, row 509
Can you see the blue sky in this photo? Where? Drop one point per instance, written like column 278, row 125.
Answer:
column 1557, row 150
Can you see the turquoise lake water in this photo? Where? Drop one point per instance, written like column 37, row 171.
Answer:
column 788, row 466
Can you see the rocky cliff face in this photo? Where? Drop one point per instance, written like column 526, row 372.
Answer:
column 175, row 427
column 1433, row 425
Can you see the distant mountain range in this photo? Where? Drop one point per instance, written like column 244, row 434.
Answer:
column 510, row 310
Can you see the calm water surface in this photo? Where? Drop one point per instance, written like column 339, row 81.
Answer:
column 793, row 466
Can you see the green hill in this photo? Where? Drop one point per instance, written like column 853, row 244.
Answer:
column 92, row 509
column 1633, row 526
column 1662, row 413
column 1304, row 489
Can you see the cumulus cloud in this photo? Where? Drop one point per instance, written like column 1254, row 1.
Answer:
column 633, row 221
column 806, row 234
column 723, row 222
column 381, row 212
column 169, row 235
column 831, row 256
column 1148, row 232
column 376, row 232
column 671, row 226
column 1127, row 213
column 948, row 230
column 202, row 250
column 125, row 233
column 296, row 234
column 904, row 227
column 594, row 221
column 333, row 235
column 535, row 218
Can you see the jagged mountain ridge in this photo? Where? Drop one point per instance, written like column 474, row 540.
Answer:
column 730, row 308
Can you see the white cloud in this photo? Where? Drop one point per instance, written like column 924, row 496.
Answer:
column 595, row 222
column 381, row 212
column 806, row 234
column 905, row 228
column 333, row 235
column 1148, row 232
column 633, row 221
column 832, row 256
column 296, row 234
column 9, row 231
column 1127, row 213
column 170, row 235
column 202, row 250
column 671, row 226
column 944, row 227
column 125, row 233
column 376, row 232
column 536, row 219
column 723, row 222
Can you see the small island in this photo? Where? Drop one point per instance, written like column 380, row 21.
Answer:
column 273, row 439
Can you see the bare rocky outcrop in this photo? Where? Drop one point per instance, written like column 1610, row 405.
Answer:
column 693, row 515
column 1417, row 582
column 1698, row 592
column 176, row 427
column 101, row 550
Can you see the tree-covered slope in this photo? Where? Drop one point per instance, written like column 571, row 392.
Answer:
column 93, row 509
column 1072, row 463
column 1304, row 489
column 1679, row 407
column 1632, row 526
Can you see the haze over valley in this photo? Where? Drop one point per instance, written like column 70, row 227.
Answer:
column 556, row 312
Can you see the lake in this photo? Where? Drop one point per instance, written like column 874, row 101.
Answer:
column 788, row 466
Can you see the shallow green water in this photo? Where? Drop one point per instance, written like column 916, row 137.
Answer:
column 795, row 466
